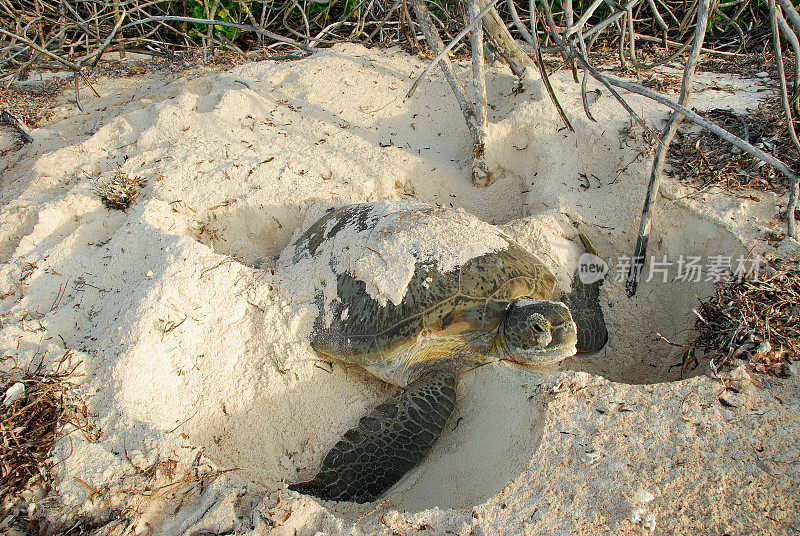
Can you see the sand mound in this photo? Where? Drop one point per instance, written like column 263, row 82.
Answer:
column 192, row 342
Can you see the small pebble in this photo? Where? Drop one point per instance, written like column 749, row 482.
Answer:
column 640, row 516
column 591, row 457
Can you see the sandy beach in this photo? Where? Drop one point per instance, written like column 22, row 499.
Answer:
column 190, row 330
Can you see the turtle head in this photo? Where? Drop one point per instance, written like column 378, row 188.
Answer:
column 538, row 332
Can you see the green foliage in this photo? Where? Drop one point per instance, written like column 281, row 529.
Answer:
column 227, row 10
column 437, row 11
column 717, row 24
column 323, row 9
column 234, row 11
column 578, row 6
column 756, row 11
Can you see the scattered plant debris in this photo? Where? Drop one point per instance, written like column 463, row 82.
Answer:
column 662, row 82
column 39, row 407
column 703, row 159
column 755, row 319
column 33, row 417
column 758, row 64
column 205, row 231
column 121, row 192
column 33, row 104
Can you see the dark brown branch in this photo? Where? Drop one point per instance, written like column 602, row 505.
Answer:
column 8, row 119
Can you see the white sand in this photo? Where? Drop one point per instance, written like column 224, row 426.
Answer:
column 192, row 342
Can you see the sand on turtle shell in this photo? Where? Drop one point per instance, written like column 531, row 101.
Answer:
column 385, row 253
column 191, row 342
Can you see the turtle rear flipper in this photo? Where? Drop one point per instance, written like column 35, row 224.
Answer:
column 372, row 457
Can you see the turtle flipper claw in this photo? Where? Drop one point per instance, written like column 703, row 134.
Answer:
column 393, row 438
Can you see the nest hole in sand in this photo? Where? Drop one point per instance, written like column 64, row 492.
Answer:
column 499, row 419
column 496, row 428
column 249, row 231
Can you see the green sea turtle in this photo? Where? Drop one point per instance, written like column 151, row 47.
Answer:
column 416, row 294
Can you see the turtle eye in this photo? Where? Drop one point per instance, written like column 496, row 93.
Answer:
column 537, row 328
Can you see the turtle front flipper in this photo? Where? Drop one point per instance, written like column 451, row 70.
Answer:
column 387, row 443
column 584, row 304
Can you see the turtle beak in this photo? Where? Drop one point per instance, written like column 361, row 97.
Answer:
column 543, row 339
column 564, row 340
column 564, row 333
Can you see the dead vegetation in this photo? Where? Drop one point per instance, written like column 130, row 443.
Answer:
column 205, row 231
column 40, row 406
column 117, row 512
column 703, row 160
column 753, row 319
column 32, row 104
column 121, row 191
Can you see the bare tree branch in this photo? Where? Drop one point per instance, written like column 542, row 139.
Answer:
column 213, row 23
column 645, row 223
column 480, row 171
column 776, row 45
column 436, row 44
column 445, row 50
column 531, row 38
column 695, row 118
